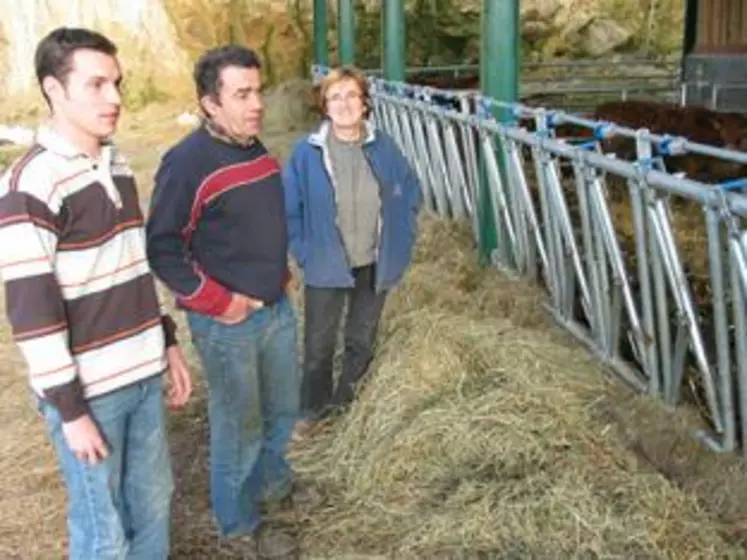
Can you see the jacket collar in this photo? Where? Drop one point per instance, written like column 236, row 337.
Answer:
column 319, row 137
column 221, row 134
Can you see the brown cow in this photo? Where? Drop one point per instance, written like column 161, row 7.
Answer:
column 697, row 124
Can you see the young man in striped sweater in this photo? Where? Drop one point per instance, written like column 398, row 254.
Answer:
column 82, row 303
column 217, row 238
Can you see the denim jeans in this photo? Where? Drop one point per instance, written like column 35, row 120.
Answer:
column 120, row 507
column 253, row 384
column 323, row 311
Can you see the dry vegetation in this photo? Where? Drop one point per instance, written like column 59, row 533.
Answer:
column 484, row 431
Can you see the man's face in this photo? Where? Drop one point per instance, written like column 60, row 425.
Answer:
column 89, row 99
column 239, row 105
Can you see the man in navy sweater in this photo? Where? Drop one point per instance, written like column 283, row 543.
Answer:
column 217, row 238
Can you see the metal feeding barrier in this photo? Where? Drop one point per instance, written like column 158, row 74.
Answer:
column 633, row 307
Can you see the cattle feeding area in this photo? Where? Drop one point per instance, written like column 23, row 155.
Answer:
column 484, row 430
column 644, row 264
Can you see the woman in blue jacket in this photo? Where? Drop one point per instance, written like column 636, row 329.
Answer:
column 352, row 202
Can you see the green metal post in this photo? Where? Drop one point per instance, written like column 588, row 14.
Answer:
column 499, row 78
column 393, row 24
column 691, row 25
column 321, row 50
column 346, row 31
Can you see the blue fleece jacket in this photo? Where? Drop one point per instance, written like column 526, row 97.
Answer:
column 311, row 210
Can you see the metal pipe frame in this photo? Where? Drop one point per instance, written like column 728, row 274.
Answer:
column 587, row 280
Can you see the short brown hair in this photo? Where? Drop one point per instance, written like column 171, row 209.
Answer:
column 337, row 75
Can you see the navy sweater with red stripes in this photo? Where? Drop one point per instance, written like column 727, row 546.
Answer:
column 217, row 223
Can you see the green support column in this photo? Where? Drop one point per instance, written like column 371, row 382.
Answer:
column 691, row 26
column 499, row 78
column 321, row 50
column 346, row 31
column 393, row 51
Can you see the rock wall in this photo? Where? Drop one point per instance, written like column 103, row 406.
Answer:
column 145, row 24
column 159, row 38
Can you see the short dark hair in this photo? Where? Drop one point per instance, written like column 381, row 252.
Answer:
column 54, row 52
column 208, row 68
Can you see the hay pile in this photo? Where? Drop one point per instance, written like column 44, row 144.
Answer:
column 476, row 435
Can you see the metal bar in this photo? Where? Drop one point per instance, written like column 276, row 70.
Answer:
column 321, row 48
column 393, row 49
column 498, row 191
column 618, row 266
column 346, row 31
column 422, row 147
column 600, row 268
column 721, row 325
column 460, row 197
column 662, row 305
column 704, row 194
column 527, row 204
column 435, row 138
column 680, row 290
column 616, row 309
column 441, row 188
column 649, row 356
column 678, row 359
column 623, row 370
column 545, row 228
column 583, row 177
column 739, row 311
column 499, row 50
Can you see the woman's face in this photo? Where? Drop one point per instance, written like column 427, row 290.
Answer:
column 345, row 105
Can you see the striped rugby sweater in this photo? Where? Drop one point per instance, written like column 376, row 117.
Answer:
column 79, row 293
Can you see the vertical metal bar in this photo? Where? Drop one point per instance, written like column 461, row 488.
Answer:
column 346, row 31
column 498, row 193
column 678, row 361
column 600, row 264
column 680, row 289
column 613, row 341
column 662, row 304
column 412, row 146
column 534, row 226
column 393, row 49
column 565, row 231
column 619, row 271
column 583, row 177
column 321, row 49
column 461, row 198
column 440, row 183
column 721, row 324
column 523, row 235
column 649, row 356
column 469, row 134
column 546, row 227
column 739, row 310
column 499, row 55
column 425, row 158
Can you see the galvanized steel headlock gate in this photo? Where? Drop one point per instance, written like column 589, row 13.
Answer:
column 577, row 254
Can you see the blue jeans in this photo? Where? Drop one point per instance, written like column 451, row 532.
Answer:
column 253, row 384
column 120, row 507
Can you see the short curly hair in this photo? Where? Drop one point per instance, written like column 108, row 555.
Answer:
column 336, row 76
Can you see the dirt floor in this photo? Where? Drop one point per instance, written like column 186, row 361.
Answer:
column 486, row 432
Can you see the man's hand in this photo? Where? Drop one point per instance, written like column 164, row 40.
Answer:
column 84, row 439
column 292, row 284
column 179, row 378
column 239, row 309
